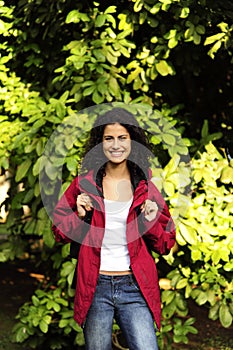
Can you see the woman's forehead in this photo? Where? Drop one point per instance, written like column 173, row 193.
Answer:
column 115, row 128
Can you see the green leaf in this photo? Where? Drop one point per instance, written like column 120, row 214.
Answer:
column 63, row 323
column 110, row 9
column 224, row 27
column 35, row 300
column 23, row 169
column 48, row 236
column 214, row 49
column 111, row 58
column 43, row 326
column 100, row 20
column 169, row 139
column 67, row 268
column 28, row 196
column 167, row 296
column 39, row 147
column 228, row 266
column 51, row 171
column 173, row 42
column 169, row 310
column 124, row 34
column 202, row 298
column 60, row 109
column 205, row 129
column 99, row 55
column 200, row 29
column 182, row 283
column 97, row 98
column 214, row 312
column 39, row 165
column 88, row 91
column 73, row 17
column 21, row 334
column 188, row 233
column 169, row 188
column 211, row 296
column 164, row 68
column 37, row 189
column 191, row 329
column 102, row 88
column 180, row 239
column 138, row 5
column 225, row 316
column 184, row 12
column 180, row 302
column 71, row 163
column 114, row 86
column 47, row 319
column 216, row 256
column 56, row 307
column 211, row 39
column 134, row 74
column 156, row 8
column 188, row 291
column 196, row 38
column 189, row 321
column 38, row 124
column 227, row 175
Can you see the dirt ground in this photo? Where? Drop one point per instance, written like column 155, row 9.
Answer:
column 18, row 281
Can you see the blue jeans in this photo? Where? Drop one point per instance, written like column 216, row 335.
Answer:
column 119, row 297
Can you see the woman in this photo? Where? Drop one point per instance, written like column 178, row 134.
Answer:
column 116, row 273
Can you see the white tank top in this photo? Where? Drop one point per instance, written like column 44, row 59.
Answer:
column 114, row 250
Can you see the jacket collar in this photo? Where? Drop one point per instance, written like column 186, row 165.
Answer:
column 88, row 183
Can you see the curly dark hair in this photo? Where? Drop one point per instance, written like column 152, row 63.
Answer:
column 94, row 158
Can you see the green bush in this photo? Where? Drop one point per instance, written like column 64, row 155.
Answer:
column 57, row 59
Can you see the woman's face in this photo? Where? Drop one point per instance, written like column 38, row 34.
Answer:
column 116, row 143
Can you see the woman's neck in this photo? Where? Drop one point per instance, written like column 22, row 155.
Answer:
column 117, row 182
column 117, row 171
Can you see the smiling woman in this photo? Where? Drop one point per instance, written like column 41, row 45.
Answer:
column 127, row 217
column 139, row 153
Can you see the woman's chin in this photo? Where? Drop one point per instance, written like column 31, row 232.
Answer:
column 116, row 160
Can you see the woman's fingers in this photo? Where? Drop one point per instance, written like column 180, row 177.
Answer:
column 83, row 203
column 150, row 209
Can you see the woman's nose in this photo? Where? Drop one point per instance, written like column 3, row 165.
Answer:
column 115, row 143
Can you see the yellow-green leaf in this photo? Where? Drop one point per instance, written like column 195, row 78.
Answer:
column 22, row 169
column 225, row 316
column 164, row 68
column 227, row 175
column 189, row 233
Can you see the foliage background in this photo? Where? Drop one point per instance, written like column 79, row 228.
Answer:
column 168, row 59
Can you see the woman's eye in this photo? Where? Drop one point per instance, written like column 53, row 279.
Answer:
column 109, row 138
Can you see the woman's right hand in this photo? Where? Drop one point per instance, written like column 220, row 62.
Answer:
column 84, row 204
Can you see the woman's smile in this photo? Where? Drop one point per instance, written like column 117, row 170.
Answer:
column 116, row 154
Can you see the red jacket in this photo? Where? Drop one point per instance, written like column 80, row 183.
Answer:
column 142, row 236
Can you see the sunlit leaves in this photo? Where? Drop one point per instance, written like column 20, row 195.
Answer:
column 115, row 53
column 164, row 68
column 23, row 169
column 76, row 16
column 194, row 32
column 219, row 39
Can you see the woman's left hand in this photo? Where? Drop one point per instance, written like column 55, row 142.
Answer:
column 150, row 209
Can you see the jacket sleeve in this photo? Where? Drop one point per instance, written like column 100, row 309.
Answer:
column 159, row 233
column 66, row 224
